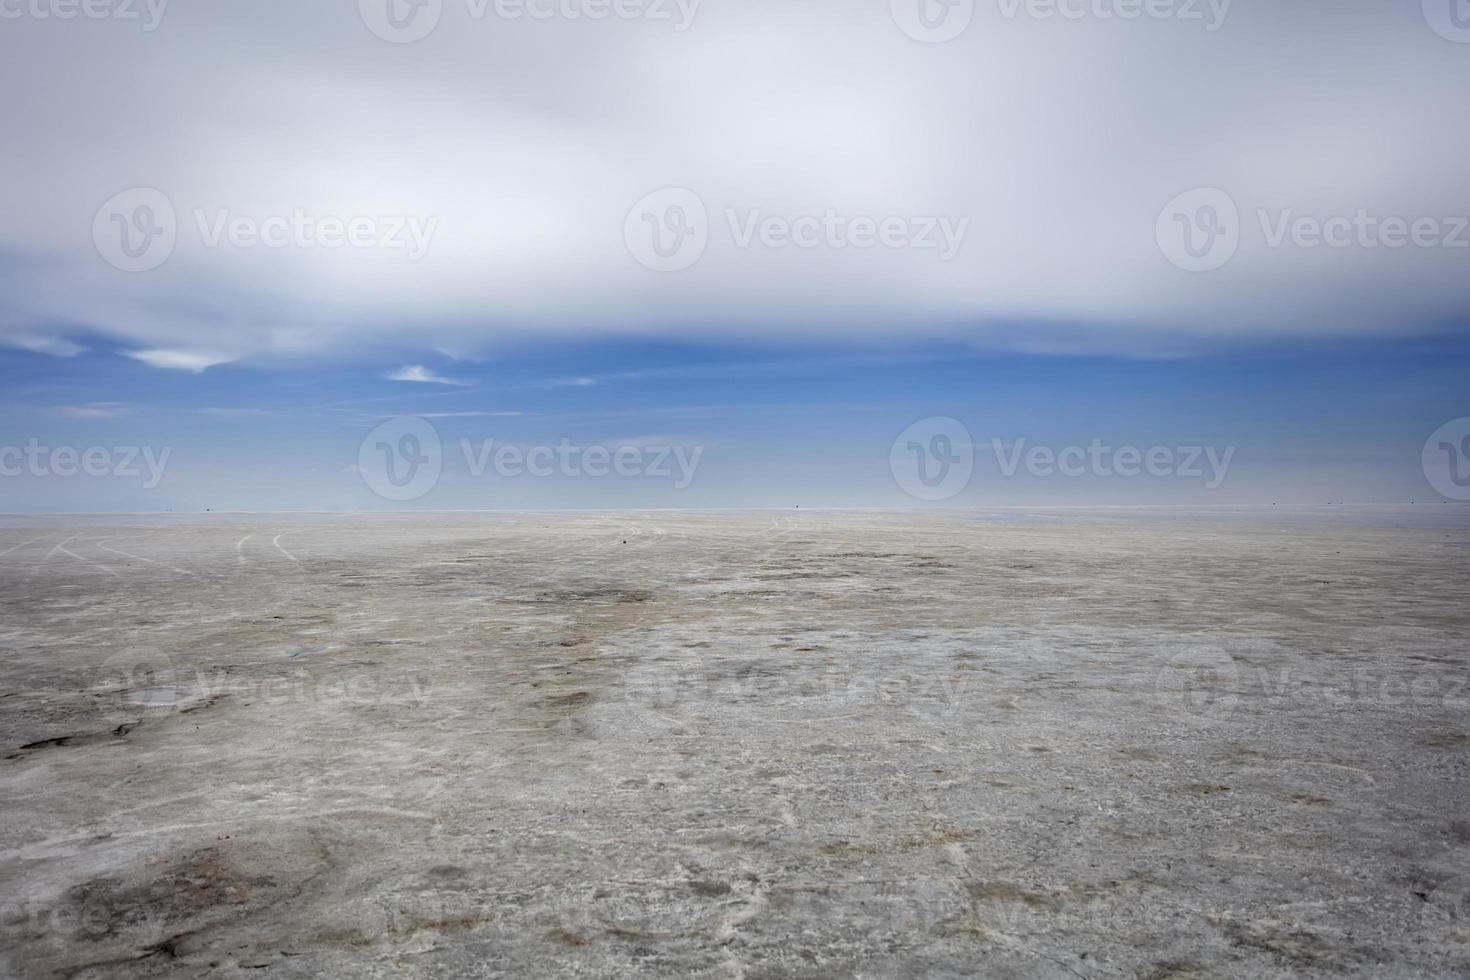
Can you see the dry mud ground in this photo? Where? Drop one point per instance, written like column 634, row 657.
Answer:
column 1067, row 745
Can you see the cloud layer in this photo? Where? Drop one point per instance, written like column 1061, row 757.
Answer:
column 331, row 190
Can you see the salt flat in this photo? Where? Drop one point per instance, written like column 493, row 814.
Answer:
column 1020, row 744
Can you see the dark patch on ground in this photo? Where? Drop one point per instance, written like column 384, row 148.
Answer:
column 60, row 741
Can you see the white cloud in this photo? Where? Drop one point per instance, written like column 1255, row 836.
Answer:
column 377, row 417
column 1060, row 139
column 56, row 346
column 180, row 360
column 232, row 412
column 93, row 410
column 423, row 375
column 466, row 415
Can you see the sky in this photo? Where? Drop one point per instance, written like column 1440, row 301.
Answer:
column 701, row 253
column 770, row 427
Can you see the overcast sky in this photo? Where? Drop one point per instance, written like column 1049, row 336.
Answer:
column 516, row 148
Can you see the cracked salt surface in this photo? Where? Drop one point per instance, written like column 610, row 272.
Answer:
column 1080, row 743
